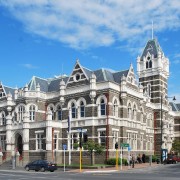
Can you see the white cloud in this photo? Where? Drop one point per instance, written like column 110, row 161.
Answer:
column 29, row 66
column 84, row 23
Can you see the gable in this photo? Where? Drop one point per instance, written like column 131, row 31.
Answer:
column 78, row 76
column 131, row 78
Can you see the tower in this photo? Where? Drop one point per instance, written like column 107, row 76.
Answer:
column 153, row 71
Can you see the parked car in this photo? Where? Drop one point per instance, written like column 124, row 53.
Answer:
column 41, row 165
column 172, row 159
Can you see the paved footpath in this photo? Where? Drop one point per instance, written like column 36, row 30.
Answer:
column 113, row 169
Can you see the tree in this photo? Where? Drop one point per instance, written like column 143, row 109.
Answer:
column 176, row 146
column 92, row 147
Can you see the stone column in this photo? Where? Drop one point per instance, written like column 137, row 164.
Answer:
column 26, row 127
column 8, row 134
column 49, row 135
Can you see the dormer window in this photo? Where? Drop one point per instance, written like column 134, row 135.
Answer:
column 77, row 77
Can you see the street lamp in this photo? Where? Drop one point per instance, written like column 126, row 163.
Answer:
column 162, row 123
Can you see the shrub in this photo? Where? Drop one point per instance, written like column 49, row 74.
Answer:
column 112, row 161
column 154, row 158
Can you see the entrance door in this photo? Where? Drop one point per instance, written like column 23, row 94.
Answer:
column 19, row 144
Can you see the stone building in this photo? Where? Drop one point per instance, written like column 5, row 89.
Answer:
column 107, row 106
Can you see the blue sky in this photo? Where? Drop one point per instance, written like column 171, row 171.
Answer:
column 39, row 37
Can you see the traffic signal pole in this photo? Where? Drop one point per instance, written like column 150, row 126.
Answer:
column 116, row 159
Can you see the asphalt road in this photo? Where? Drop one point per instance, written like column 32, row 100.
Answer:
column 164, row 172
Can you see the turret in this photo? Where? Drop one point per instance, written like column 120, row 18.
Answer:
column 92, row 86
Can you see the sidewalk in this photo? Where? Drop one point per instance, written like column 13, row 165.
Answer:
column 113, row 169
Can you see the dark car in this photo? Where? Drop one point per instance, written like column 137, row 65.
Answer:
column 172, row 159
column 41, row 165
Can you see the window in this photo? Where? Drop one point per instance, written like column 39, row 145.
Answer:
column 39, row 141
column 55, row 141
column 32, row 113
column 115, row 108
column 115, row 138
column 134, row 113
column 149, row 90
column 73, row 110
column 74, row 140
column 82, row 109
column 148, row 63
column 102, row 138
column 3, row 142
column 52, row 111
column 3, row 119
column 21, row 111
column 103, row 107
column 129, row 111
column 59, row 113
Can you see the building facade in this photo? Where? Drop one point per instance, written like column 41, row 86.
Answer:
column 38, row 120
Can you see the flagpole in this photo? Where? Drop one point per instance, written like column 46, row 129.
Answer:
column 69, row 135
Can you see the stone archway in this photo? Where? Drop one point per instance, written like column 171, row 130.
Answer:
column 19, row 144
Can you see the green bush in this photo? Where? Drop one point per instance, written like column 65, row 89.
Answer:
column 154, row 158
column 112, row 161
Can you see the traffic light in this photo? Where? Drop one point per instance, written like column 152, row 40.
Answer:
column 85, row 138
column 116, row 145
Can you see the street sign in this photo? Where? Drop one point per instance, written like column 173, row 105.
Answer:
column 164, row 154
column 124, row 145
column 129, row 148
column 64, row 146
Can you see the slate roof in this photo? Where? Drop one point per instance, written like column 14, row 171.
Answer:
column 50, row 85
column 9, row 90
column 106, row 75
column 175, row 107
column 155, row 48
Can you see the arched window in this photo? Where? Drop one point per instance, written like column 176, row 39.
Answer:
column 73, row 110
column 3, row 119
column 103, row 107
column 59, row 112
column 32, row 110
column 115, row 108
column 134, row 113
column 129, row 111
column 52, row 111
column 148, row 63
column 21, row 111
column 82, row 109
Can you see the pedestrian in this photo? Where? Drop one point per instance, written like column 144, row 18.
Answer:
column 130, row 159
column 143, row 158
column 133, row 161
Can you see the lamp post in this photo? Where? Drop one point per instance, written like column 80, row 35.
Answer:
column 162, row 123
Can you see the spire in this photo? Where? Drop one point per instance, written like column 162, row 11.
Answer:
column 152, row 29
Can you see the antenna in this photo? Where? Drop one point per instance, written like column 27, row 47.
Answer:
column 62, row 70
column 152, row 29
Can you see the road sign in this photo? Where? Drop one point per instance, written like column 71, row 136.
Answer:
column 129, row 148
column 124, row 145
column 164, row 154
column 64, row 146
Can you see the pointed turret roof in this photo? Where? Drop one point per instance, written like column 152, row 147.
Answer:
column 152, row 47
